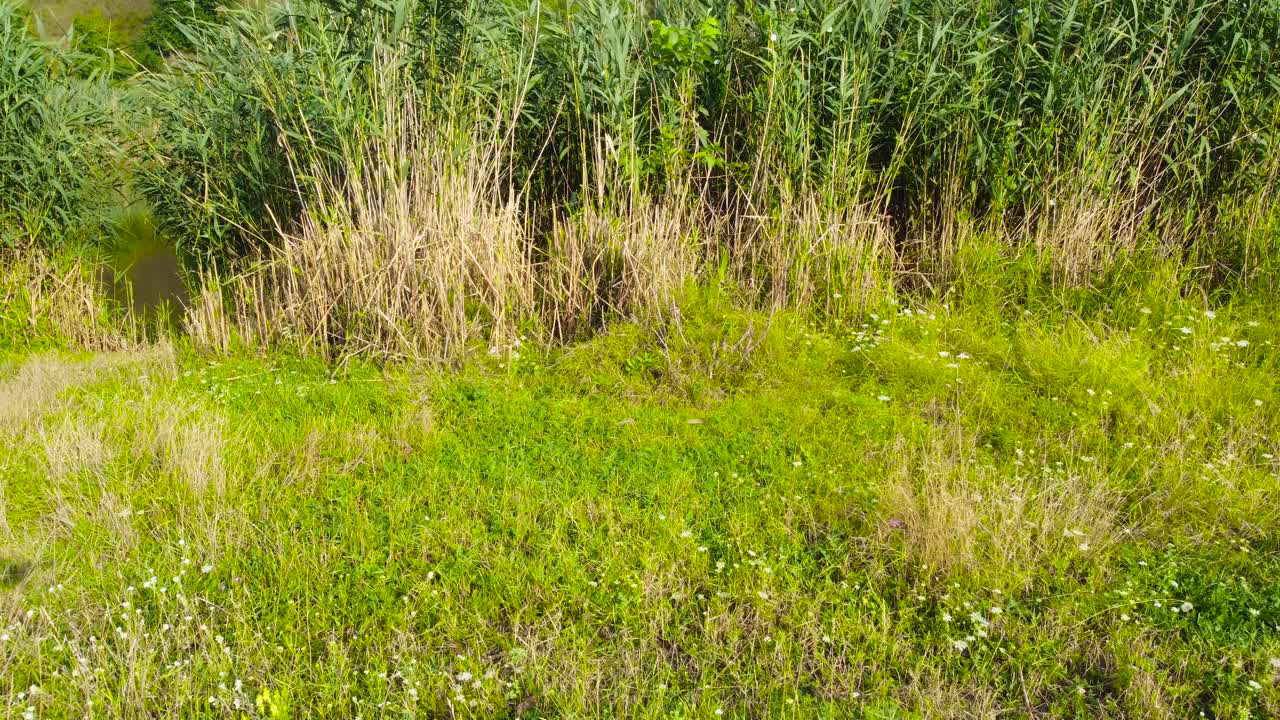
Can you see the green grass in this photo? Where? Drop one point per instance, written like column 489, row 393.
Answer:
column 1061, row 508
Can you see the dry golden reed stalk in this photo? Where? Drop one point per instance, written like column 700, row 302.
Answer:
column 625, row 263
column 64, row 297
column 411, row 255
column 423, row 249
column 954, row 515
column 808, row 255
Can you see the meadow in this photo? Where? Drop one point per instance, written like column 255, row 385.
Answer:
column 945, row 511
column 604, row 359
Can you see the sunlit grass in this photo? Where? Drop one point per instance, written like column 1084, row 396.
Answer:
column 945, row 510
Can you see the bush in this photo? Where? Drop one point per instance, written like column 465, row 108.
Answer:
column 106, row 45
column 53, row 140
column 914, row 103
column 242, row 128
column 164, row 31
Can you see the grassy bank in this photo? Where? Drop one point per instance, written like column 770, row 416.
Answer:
column 952, row 509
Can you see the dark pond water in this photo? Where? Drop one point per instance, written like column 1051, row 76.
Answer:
column 144, row 274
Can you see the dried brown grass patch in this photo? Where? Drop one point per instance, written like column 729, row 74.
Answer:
column 416, row 253
column 78, row 456
column 932, row 696
column 1144, row 689
column 1082, row 234
column 808, row 255
column 36, row 386
column 63, row 296
column 956, row 515
column 191, row 442
column 626, row 262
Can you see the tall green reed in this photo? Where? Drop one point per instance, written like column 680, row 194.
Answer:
column 807, row 150
column 55, row 139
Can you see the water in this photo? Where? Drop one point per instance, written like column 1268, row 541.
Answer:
column 144, row 274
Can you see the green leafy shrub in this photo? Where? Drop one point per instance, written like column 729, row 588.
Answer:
column 164, row 31
column 107, row 45
column 53, row 139
column 95, row 33
column 242, row 125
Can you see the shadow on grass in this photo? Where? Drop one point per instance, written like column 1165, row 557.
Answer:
column 13, row 571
